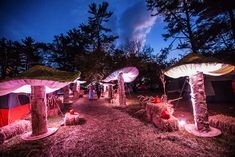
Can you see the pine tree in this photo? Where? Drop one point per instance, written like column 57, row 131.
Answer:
column 180, row 20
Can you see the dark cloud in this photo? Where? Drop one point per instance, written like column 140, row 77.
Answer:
column 135, row 23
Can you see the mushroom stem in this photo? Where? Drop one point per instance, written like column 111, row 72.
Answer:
column 121, row 90
column 38, row 110
column 66, row 94
column 198, row 98
column 110, row 91
column 75, row 91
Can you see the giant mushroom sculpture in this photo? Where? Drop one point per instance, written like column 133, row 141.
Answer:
column 38, row 81
column 194, row 66
column 127, row 74
column 76, row 88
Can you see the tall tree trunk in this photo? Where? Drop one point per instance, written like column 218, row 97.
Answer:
column 38, row 110
column 66, row 94
column 121, row 90
column 198, row 98
column 232, row 21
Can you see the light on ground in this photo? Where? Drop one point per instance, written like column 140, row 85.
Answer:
column 182, row 122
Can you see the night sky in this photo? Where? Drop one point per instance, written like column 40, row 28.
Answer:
column 42, row 19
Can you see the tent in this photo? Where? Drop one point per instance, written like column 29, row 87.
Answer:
column 218, row 88
column 13, row 107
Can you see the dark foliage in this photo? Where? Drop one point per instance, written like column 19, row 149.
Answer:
column 200, row 26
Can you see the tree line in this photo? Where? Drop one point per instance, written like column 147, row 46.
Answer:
column 205, row 27
column 200, row 26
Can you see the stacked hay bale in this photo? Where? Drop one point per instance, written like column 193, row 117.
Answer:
column 224, row 123
column 145, row 99
column 71, row 119
column 14, row 129
column 161, row 115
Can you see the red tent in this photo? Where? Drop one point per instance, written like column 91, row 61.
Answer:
column 13, row 107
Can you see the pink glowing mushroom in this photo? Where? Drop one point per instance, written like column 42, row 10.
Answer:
column 127, row 74
column 194, row 66
column 38, row 81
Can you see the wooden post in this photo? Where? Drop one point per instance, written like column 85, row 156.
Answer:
column 66, row 94
column 38, row 110
column 198, row 98
column 121, row 90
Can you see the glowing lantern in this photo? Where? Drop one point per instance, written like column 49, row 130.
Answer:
column 194, row 66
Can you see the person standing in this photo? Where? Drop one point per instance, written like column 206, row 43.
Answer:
column 98, row 90
column 91, row 92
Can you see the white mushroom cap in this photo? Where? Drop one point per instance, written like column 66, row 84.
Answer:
column 80, row 82
column 129, row 74
column 194, row 63
column 213, row 69
column 52, row 79
column 24, row 86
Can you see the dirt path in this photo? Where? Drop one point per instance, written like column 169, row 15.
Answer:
column 109, row 132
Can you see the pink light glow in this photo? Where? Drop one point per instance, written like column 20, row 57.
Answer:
column 182, row 122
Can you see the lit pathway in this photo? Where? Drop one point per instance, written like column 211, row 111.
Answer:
column 109, row 133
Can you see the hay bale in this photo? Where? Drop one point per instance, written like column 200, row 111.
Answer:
column 155, row 112
column 2, row 136
column 224, row 123
column 166, row 125
column 14, row 129
column 71, row 119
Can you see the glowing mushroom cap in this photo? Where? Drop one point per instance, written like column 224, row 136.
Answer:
column 81, row 82
column 52, row 79
column 193, row 63
column 129, row 74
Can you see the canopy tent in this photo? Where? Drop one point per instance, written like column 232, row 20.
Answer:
column 38, row 78
column 127, row 74
column 194, row 66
